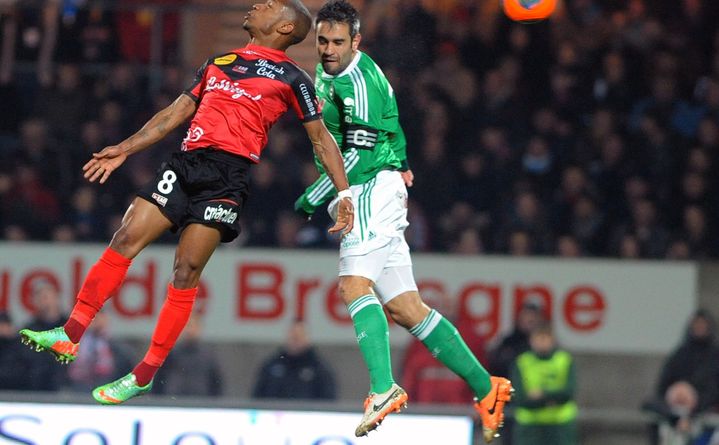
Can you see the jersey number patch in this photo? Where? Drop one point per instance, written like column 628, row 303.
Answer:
column 168, row 178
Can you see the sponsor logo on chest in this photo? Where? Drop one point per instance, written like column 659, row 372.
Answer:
column 267, row 69
column 233, row 88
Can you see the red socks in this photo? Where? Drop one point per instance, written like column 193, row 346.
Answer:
column 173, row 317
column 103, row 279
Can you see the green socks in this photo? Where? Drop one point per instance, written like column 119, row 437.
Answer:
column 446, row 345
column 373, row 340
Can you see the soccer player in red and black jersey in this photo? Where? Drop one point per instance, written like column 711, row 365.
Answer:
column 234, row 100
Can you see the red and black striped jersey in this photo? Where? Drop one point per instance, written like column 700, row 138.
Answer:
column 241, row 94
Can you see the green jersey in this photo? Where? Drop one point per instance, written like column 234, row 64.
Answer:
column 360, row 110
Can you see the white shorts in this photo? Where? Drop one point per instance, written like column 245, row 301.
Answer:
column 376, row 248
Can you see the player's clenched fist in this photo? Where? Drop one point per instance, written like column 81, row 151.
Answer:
column 104, row 163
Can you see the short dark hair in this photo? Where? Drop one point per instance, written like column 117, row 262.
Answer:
column 301, row 18
column 340, row 11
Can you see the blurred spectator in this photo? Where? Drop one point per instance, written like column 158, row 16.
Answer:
column 43, row 373
column 63, row 104
column 502, row 356
column 13, row 361
column 687, row 384
column 651, row 236
column 544, row 379
column 87, row 33
column 31, row 206
column 264, row 218
column 29, row 34
column 428, row 380
column 192, row 369
column 100, row 357
column 296, row 371
column 568, row 247
column 695, row 361
column 527, row 215
column 137, row 24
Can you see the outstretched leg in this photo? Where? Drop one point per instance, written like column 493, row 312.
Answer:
column 372, row 333
column 445, row 343
column 441, row 338
column 143, row 222
column 197, row 243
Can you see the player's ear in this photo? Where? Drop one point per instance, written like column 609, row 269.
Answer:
column 286, row 28
column 356, row 41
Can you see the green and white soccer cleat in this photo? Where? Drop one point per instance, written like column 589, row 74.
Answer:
column 119, row 391
column 377, row 406
column 54, row 341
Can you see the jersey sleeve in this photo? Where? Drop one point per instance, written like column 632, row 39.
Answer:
column 399, row 146
column 198, row 83
column 304, row 98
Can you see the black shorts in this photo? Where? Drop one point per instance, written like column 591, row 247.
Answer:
column 204, row 186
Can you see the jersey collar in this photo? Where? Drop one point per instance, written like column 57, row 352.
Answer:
column 347, row 70
column 276, row 54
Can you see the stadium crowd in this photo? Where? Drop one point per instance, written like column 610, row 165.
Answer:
column 594, row 134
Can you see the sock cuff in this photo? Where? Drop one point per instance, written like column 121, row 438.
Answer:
column 361, row 303
column 181, row 295
column 114, row 259
column 153, row 360
column 426, row 326
column 80, row 317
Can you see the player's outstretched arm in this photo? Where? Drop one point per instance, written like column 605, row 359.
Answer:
column 328, row 153
column 160, row 125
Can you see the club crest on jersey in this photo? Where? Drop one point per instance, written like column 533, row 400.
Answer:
column 225, row 60
column 220, row 214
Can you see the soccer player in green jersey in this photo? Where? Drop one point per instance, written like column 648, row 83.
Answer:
column 360, row 110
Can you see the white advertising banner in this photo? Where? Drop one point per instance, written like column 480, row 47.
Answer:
column 51, row 424
column 253, row 295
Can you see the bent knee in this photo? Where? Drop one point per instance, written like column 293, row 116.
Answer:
column 407, row 310
column 126, row 242
column 186, row 274
column 350, row 288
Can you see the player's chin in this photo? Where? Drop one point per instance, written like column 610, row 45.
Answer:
column 331, row 68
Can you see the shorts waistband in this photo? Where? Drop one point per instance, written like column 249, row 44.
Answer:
column 224, row 156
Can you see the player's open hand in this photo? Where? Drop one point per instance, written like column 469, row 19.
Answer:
column 345, row 217
column 408, row 178
column 104, row 163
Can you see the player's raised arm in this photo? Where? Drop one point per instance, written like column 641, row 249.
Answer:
column 160, row 125
column 328, row 153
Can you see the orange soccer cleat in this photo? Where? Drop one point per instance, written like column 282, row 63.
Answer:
column 491, row 407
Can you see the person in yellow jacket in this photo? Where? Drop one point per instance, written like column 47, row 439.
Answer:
column 544, row 379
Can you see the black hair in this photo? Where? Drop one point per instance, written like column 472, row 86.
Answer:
column 302, row 19
column 340, row 11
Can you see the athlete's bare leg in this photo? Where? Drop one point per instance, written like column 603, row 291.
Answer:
column 142, row 224
column 197, row 243
column 407, row 309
